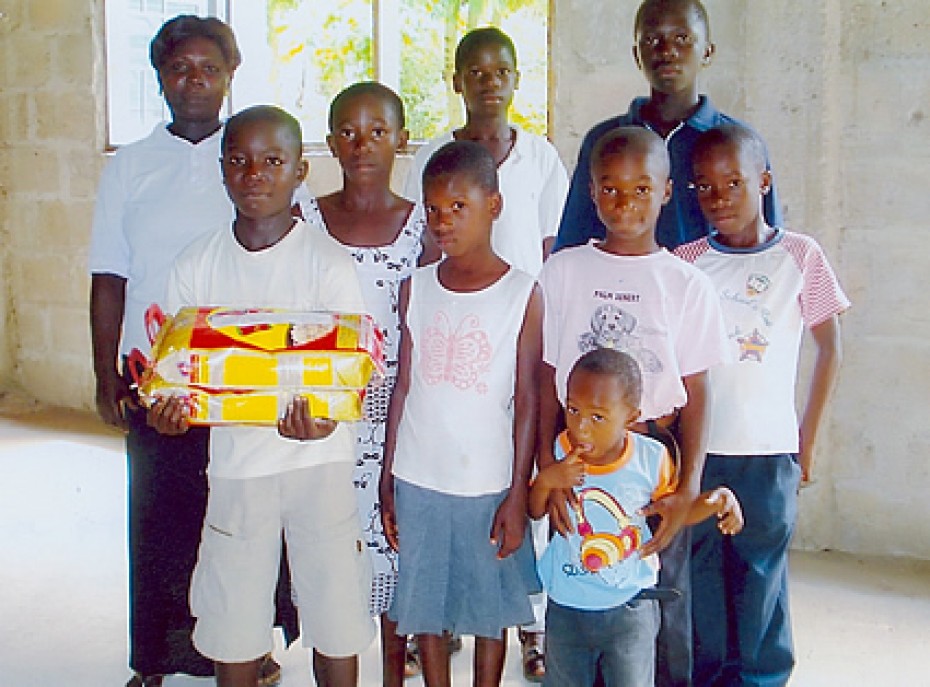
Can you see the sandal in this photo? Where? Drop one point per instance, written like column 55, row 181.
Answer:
column 269, row 672
column 139, row 680
column 412, row 666
column 534, row 658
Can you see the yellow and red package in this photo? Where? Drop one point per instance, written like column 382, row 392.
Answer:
column 259, row 407
column 244, row 365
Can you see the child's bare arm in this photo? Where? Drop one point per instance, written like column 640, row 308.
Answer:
column 509, row 526
column 395, row 410
column 722, row 504
column 297, row 422
column 826, row 337
column 429, row 251
column 549, row 409
column 547, row 245
column 692, row 422
column 559, row 476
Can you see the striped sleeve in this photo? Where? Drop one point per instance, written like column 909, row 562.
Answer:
column 822, row 297
column 690, row 252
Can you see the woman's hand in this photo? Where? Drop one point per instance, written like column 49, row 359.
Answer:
column 112, row 398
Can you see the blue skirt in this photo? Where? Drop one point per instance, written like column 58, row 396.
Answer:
column 449, row 577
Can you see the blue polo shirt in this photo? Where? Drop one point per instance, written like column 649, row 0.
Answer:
column 681, row 220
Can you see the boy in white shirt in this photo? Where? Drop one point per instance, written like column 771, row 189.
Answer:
column 296, row 477
column 772, row 284
column 533, row 180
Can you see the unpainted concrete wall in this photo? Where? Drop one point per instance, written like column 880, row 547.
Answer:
column 837, row 88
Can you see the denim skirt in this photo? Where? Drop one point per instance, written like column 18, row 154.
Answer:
column 449, row 576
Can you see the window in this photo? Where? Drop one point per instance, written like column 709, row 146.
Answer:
column 299, row 53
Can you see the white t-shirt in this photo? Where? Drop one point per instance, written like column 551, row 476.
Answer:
column 305, row 270
column 456, row 430
column 534, row 185
column 768, row 295
column 156, row 196
column 657, row 308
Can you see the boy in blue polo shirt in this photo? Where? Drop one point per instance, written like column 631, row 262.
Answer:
column 672, row 46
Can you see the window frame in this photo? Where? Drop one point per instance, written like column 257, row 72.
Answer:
column 224, row 10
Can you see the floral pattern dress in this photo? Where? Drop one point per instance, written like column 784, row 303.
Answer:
column 380, row 269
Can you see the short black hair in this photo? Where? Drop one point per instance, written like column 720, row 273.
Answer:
column 478, row 38
column 649, row 5
column 464, row 157
column 622, row 366
column 175, row 31
column 374, row 88
column 744, row 138
column 637, row 139
column 265, row 113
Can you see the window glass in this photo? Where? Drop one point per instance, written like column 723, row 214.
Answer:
column 299, row 53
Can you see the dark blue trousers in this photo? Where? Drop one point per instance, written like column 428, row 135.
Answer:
column 739, row 585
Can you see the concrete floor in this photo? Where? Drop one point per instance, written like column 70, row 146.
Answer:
column 63, row 579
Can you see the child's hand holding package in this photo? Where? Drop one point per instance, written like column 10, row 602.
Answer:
column 298, row 424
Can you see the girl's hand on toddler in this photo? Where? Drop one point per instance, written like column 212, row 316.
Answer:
column 168, row 416
column 509, row 525
column 729, row 513
column 297, row 423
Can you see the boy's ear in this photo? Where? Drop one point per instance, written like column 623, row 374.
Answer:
column 639, row 62
column 766, row 184
column 457, row 82
column 329, row 144
column 303, row 168
column 497, row 204
column 516, row 80
column 708, row 54
column 403, row 138
column 668, row 192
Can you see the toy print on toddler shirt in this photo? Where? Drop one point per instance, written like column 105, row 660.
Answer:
column 600, row 550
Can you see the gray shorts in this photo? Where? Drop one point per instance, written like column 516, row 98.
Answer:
column 232, row 589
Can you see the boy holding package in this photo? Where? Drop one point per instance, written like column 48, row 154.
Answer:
column 296, row 478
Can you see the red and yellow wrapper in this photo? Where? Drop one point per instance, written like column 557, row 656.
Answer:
column 244, row 366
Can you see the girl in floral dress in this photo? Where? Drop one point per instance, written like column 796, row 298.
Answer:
column 385, row 234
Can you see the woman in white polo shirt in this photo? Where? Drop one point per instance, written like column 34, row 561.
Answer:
column 156, row 196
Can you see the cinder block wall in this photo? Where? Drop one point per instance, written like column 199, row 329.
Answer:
column 51, row 137
column 836, row 87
